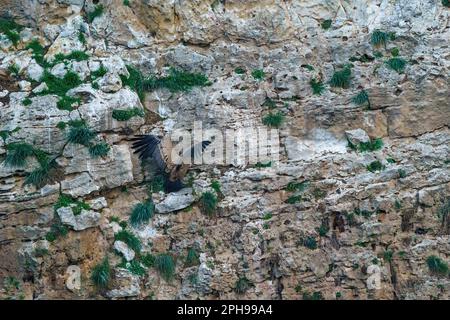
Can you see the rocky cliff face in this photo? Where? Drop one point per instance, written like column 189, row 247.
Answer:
column 356, row 208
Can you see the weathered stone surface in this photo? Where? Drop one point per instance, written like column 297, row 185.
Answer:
column 175, row 201
column 122, row 247
column 86, row 219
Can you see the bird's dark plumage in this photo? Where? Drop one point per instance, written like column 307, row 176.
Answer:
column 159, row 150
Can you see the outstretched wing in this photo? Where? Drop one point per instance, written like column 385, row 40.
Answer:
column 150, row 147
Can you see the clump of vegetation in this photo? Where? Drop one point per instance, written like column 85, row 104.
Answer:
column 4, row 134
column 82, row 38
column 126, row 3
column 314, row 296
column 100, row 72
column 101, row 274
column 362, row 58
column 127, row 114
column 239, row 70
column 258, row 74
column 77, row 206
column 364, row 213
column 444, row 211
column 135, row 81
column 372, row 145
column 38, row 51
column 297, row 186
column 80, row 134
column 397, row 64
column 361, row 98
column 99, row 150
column 157, row 184
column 165, row 265
column 273, row 119
column 323, row 229
column 11, row 29
column 67, row 103
column 326, row 24
column 142, row 213
column 308, row 66
column 130, row 239
column 216, row 186
column 242, row 285
column 388, row 255
column 317, row 86
column 13, row 69
column 208, row 202
column 375, row 166
column 39, row 177
column 310, row 242
column 395, row 52
column 192, row 258
column 269, row 103
column 17, row 154
column 446, row 3
column 97, row 12
column 177, row 81
column 60, row 86
column 379, row 38
column 341, row 78
column 294, row 199
column 27, row 101
column 148, row 260
column 437, row 266
column 76, row 55
column 57, row 229
column 401, row 173
column 267, row 216
column 263, row 165
column 134, row 267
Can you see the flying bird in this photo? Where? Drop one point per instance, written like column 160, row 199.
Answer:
column 149, row 147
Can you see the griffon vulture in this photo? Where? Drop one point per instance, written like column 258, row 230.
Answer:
column 149, row 147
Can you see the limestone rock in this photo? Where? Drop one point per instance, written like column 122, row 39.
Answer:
column 86, row 219
column 122, row 247
column 175, row 201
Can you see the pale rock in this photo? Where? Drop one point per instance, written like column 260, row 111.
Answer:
column 98, row 203
column 126, row 252
column 175, row 201
column 127, row 285
column 59, row 70
column 34, row 71
column 25, row 85
column 357, row 136
column 111, row 82
column 86, row 219
column 73, row 278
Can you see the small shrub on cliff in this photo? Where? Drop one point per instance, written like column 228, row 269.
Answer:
column 17, row 154
column 101, row 274
column 341, row 79
column 239, row 70
column 273, row 120
column 135, row 81
column 437, row 266
column 39, row 177
column 80, row 135
column 165, row 265
column 375, row 166
column 100, row 72
column 379, row 38
column 67, row 103
column 361, row 98
column 99, row 150
column 177, row 81
column 11, row 29
column 127, row 114
column 13, row 69
column 60, row 86
column 216, row 186
column 446, row 3
column 317, row 86
column 192, row 258
column 97, row 12
column 310, row 243
column 326, row 24
column 76, row 55
column 397, row 64
column 130, row 239
column 297, row 186
column 27, row 101
column 258, row 74
column 242, row 285
column 142, row 213
column 372, row 145
column 208, row 202
column 148, row 260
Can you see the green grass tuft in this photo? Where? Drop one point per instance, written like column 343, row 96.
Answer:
column 239, row 70
column 341, row 79
column 100, row 72
column 60, row 86
column 17, row 154
column 11, row 29
column 437, row 266
column 76, row 55
column 82, row 38
column 208, row 202
column 130, row 239
column 77, row 206
column 13, row 69
column 375, row 166
column 317, row 86
column 40, row 176
column 165, row 265
column 148, row 260
column 308, row 66
column 310, row 243
column 326, row 24
column 192, row 258
column 294, row 199
column 99, row 150
column 177, row 81
column 370, row 146
column 142, row 213
column 80, row 135
column 361, row 98
column 97, row 12
column 446, row 3
column 67, row 103
column 27, row 101
column 297, row 186
column 216, row 186
column 126, row 3
column 101, row 274
column 242, row 285
column 258, row 74
column 397, row 64
column 127, row 114
column 273, row 119
column 395, row 52
column 379, row 38
column 135, row 81
column 263, row 165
